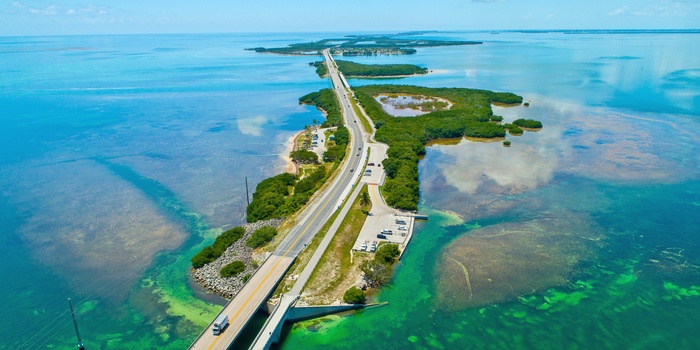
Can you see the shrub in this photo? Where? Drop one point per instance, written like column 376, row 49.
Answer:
column 210, row 253
column 204, row 257
column 354, row 295
column 496, row 118
column 506, row 143
column 246, row 277
column 261, row 236
column 232, row 269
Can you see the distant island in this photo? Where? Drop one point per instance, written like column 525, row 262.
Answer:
column 362, row 45
column 358, row 70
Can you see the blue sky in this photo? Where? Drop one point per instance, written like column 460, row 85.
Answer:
column 39, row 17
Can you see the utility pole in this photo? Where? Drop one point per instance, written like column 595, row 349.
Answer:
column 247, row 198
column 75, row 324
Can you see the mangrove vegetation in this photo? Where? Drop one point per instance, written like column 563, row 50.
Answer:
column 528, row 123
column 326, row 101
column 210, row 253
column 357, row 70
column 470, row 115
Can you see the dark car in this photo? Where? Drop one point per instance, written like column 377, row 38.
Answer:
column 381, row 236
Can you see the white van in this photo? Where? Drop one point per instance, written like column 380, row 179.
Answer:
column 220, row 324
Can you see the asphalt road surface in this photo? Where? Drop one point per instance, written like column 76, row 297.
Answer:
column 242, row 307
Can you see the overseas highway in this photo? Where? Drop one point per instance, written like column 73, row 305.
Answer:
column 258, row 289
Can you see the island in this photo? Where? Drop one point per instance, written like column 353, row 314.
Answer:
column 358, row 70
column 363, row 45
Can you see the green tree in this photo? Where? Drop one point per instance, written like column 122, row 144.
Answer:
column 304, row 157
column 232, row 269
column 376, row 272
column 354, row 295
column 364, row 199
column 387, row 253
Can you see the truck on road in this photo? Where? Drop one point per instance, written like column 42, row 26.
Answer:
column 219, row 324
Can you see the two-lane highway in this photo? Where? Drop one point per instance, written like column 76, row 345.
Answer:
column 244, row 305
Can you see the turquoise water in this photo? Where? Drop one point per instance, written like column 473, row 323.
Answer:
column 123, row 155
column 120, row 156
column 583, row 235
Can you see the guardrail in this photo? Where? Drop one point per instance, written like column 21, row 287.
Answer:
column 260, row 334
column 226, row 305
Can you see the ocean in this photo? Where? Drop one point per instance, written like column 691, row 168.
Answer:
column 123, row 155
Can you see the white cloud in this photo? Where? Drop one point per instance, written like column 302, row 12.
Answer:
column 620, row 11
column 664, row 8
column 51, row 10
column 89, row 10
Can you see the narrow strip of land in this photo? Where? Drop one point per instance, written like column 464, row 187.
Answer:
column 256, row 291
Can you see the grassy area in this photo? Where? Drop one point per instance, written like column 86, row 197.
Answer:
column 303, row 258
column 338, row 268
column 363, row 120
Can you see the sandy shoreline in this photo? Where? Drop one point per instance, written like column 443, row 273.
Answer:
column 290, row 166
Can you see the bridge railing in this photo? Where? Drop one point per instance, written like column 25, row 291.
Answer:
column 227, row 304
column 267, row 322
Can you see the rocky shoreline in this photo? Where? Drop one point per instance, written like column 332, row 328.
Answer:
column 208, row 275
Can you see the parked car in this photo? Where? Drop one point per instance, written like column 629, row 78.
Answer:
column 402, row 228
column 381, row 236
column 400, row 222
column 370, row 164
column 387, row 232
